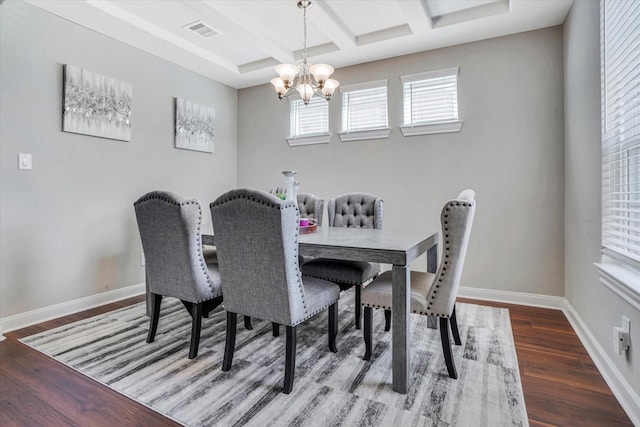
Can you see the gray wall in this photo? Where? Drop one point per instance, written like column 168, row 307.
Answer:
column 67, row 227
column 510, row 150
column 598, row 307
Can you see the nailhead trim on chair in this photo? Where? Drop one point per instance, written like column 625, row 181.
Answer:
column 310, row 315
column 443, row 269
column 344, row 282
column 203, row 265
column 426, row 313
column 198, row 234
column 280, row 206
column 447, row 249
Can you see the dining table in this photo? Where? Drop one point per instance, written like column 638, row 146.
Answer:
column 396, row 247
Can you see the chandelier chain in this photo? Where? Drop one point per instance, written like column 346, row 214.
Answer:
column 304, row 46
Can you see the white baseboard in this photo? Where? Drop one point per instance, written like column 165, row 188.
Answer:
column 521, row 298
column 40, row 315
column 622, row 390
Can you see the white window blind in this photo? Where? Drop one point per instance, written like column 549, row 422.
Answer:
column 364, row 106
column 430, row 97
column 310, row 119
column 620, row 59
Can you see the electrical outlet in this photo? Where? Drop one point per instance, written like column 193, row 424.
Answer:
column 621, row 336
column 620, row 340
column 142, row 261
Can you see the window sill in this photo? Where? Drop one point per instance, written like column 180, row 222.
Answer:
column 356, row 135
column 623, row 281
column 432, row 128
column 320, row 138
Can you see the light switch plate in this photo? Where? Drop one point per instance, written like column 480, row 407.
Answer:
column 25, row 161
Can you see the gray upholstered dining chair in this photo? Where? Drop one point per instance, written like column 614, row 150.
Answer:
column 431, row 294
column 169, row 228
column 353, row 210
column 311, row 206
column 257, row 239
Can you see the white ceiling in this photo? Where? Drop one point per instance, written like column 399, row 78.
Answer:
column 255, row 35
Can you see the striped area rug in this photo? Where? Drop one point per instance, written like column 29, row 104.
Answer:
column 330, row 389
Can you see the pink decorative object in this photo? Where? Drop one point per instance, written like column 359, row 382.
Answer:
column 304, row 222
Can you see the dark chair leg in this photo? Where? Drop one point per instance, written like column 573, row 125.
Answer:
column 358, row 305
column 446, row 348
column 333, row 326
column 368, row 331
column 247, row 323
column 290, row 359
column 454, row 327
column 156, row 299
column 196, row 324
column 387, row 320
column 232, row 320
column 275, row 328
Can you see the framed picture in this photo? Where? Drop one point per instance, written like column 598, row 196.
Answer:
column 96, row 105
column 194, row 126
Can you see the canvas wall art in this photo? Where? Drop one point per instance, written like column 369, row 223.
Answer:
column 194, row 126
column 96, row 105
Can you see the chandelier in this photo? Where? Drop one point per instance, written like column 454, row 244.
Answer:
column 307, row 79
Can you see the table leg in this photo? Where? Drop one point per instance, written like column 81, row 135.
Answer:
column 432, row 266
column 432, row 258
column 148, row 296
column 401, row 279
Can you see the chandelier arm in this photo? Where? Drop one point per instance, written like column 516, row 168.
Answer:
column 305, row 81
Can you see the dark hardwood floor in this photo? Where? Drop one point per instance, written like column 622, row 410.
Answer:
column 562, row 386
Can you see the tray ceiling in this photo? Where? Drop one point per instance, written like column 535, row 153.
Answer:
column 238, row 42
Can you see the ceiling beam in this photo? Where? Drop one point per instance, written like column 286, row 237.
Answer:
column 257, row 38
column 110, row 8
column 417, row 16
column 324, row 17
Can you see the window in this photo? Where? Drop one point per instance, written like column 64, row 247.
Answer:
column 620, row 56
column 364, row 111
column 620, row 74
column 309, row 124
column 430, row 102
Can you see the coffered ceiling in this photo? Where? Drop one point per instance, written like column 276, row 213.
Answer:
column 238, row 42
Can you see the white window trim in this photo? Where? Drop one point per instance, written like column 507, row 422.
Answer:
column 430, row 75
column 307, row 139
column 320, row 138
column 432, row 129
column 357, row 135
column 623, row 281
column 364, row 134
column 366, row 85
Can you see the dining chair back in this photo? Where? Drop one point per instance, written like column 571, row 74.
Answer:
column 256, row 235
column 175, row 265
column 431, row 294
column 456, row 221
column 311, row 206
column 351, row 210
column 355, row 210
